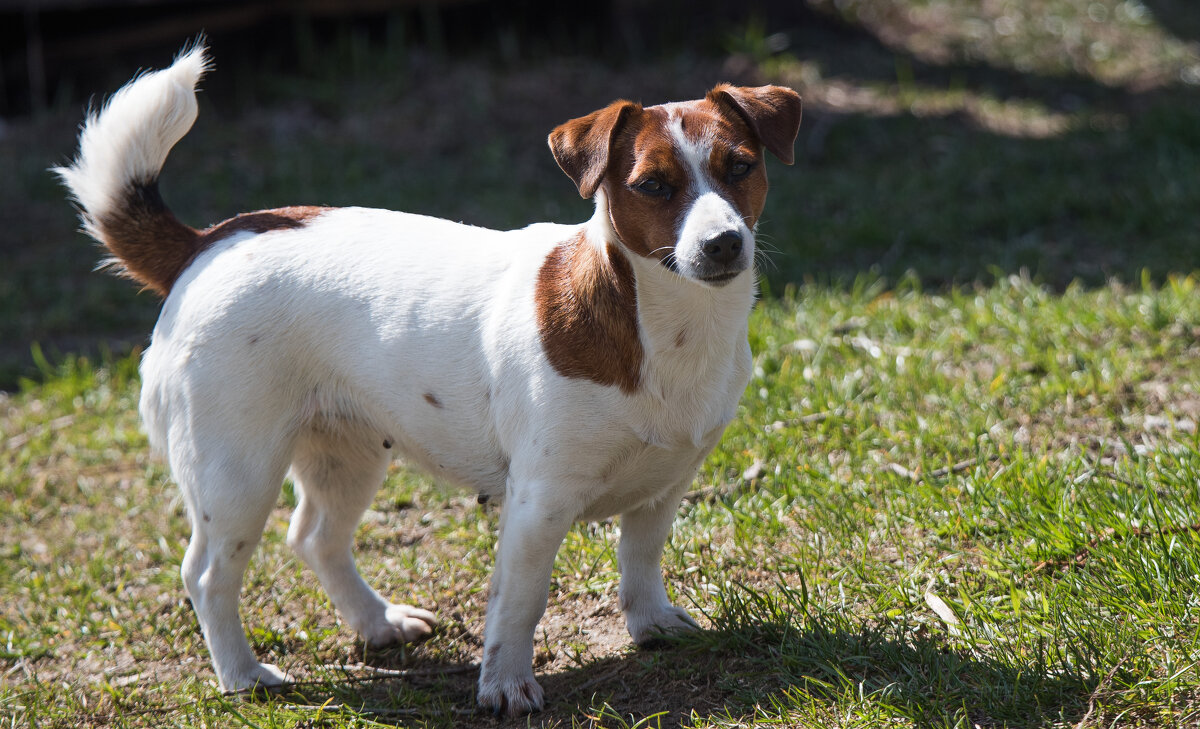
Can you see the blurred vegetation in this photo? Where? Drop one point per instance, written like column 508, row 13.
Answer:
column 949, row 142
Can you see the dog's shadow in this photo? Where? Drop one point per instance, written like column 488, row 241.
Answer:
column 818, row 667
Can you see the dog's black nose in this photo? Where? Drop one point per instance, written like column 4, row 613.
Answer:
column 724, row 248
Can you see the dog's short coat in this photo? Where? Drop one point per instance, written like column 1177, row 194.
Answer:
column 568, row 371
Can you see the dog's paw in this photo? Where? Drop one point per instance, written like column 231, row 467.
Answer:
column 258, row 679
column 400, row 624
column 511, row 697
column 647, row 627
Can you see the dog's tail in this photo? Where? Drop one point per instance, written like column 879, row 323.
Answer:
column 114, row 178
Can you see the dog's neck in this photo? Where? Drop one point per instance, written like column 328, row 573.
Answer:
column 679, row 317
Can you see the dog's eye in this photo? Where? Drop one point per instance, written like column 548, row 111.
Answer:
column 739, row 169
column 651, row 186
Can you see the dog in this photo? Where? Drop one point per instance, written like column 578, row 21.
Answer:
column 568, row 372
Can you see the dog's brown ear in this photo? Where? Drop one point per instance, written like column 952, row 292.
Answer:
column 581, row 146
column 773, row 112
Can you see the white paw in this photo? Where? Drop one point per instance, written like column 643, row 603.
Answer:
column 645, row 626
column 400, row 624
column 514, row 697
column 260, row 676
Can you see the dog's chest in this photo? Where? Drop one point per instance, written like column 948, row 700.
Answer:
column 674, row 425
column 636, row 473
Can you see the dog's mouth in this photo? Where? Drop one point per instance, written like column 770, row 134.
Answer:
column 720, row 279
column 713, row 278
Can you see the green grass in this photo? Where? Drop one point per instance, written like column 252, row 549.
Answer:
column 963, row 488
column 1029, row 458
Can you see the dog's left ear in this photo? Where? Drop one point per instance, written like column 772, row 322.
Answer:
column 581, row 146
column 773, row 113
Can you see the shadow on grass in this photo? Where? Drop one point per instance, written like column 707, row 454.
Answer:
column 961, row 171
column 798, row 669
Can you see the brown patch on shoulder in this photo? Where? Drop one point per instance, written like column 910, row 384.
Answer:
column 433, row 400
column 587, row 314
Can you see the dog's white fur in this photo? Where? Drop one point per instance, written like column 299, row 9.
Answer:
column 310, row 351
column 131, row 138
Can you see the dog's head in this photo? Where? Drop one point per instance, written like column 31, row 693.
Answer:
column 684, row 183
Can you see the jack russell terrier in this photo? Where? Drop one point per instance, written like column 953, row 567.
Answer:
column 571, row 372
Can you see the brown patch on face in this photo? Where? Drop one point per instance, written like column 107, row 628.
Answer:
column 771, row 112
column 581, row 146
column 623, row 146
column 733, row 144
column 647, row 223
column 586, row 304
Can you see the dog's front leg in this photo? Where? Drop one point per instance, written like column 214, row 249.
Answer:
column 642, row 595
column 532, row 527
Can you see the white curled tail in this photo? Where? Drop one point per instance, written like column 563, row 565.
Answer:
column 114, row 178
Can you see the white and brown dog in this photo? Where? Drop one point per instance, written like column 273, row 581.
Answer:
column 571, row 372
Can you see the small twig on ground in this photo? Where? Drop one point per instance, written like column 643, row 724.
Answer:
column 1113, row 476
column 21, row 439
column 1109, row 535
column 595, row 681
column 814, row 417
column 804, row 419
column 379, row 674
column 1104, row 682
column 938, row 472
column 384, row 711
column 123, row 712
column 375, row 674
column 751, row 474
column 901, row 471
column 709, row 493
column 400, row 672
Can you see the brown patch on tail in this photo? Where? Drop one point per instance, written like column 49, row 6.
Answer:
column 154, row 248
column 146, row 238
column 587, row 314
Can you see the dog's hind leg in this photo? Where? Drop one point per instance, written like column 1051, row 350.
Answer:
column 336, row 477
column 229, row 494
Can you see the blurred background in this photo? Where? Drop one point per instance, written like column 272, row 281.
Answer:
column 945, row 142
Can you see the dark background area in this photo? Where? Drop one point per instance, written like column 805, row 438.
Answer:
column 945, row 144
column 57, row 52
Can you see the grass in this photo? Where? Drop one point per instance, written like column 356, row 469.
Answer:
column 963, row 488
column 961, row 515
